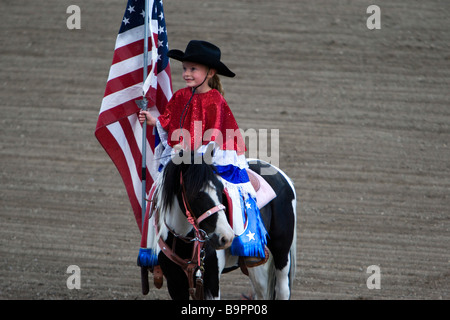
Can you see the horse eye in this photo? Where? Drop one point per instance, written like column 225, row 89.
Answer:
column 201, row 196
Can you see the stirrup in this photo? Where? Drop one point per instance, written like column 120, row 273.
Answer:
column 251, row 262
column 158, row 278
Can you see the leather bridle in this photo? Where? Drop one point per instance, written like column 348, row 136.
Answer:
column 196, row 264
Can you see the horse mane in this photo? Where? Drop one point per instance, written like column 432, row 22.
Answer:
column 196, row 176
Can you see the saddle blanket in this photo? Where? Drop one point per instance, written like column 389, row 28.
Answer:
column 264, row 192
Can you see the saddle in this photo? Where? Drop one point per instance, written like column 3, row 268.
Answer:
column 264, row 192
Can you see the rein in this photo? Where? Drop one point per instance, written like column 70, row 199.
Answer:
column 196, row 264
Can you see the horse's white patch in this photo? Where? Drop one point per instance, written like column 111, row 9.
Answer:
column 177, row 220
column 282, row 285
column 223, row 228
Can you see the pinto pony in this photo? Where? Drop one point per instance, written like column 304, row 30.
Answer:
column 194, row 232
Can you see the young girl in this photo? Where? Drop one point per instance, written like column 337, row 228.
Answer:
column 198, row 115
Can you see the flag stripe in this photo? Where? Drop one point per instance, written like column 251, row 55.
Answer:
column 133, row 151
column 129, row 50
column 118, row 112
column 124, row 81
column 165, row 83
column 133, row 133
column 123, row 67
column 115, row 152
column 120, row 97
column 130, row 36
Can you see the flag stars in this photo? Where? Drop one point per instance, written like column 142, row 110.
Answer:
column 134, row 17
column 251, row 236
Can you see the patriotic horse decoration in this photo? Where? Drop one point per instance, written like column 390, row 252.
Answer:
column 192, row 241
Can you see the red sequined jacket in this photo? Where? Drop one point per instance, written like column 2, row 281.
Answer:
column 207, row 118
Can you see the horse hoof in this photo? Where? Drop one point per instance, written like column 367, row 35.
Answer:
column 250, row 296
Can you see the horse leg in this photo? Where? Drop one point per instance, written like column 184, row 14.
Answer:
column 262, row 279
column 282, row 289
column 211, row 274
column 270, row 281
column 177, row 282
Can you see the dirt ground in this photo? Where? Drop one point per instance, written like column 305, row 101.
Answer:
column 364, row 132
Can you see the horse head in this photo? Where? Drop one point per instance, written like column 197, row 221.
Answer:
column 192, row 188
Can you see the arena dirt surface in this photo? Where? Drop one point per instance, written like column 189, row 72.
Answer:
column 364, row 132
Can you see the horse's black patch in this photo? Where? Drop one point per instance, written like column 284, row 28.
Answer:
column 195, row 178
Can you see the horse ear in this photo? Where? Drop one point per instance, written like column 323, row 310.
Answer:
column 179, row 150
column 181, row 156
column 209, row 153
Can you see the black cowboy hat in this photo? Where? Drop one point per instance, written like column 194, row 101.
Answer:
column 204, row 53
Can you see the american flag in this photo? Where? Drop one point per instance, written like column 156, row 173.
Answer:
column 118, row 129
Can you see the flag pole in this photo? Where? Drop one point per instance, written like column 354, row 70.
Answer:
column 143, row 105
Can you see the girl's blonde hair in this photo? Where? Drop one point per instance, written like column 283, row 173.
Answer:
column 215, row 83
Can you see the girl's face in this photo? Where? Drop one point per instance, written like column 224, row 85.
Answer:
column 194, row 74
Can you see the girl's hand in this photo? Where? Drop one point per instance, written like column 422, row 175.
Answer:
column 151, row 121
